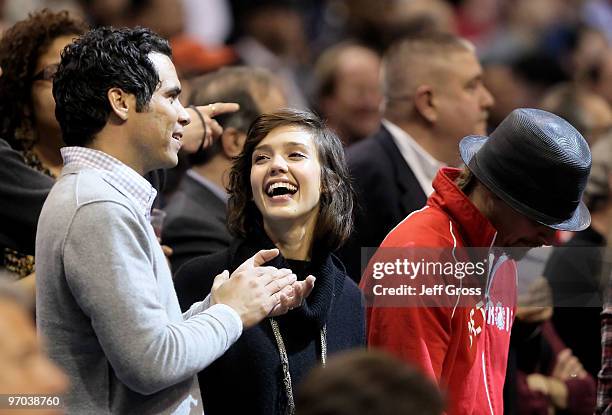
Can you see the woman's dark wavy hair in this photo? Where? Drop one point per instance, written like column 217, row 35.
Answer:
column 335, row 220
column 20, row 47
column 102, row 59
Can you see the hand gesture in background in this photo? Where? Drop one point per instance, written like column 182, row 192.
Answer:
column 204, row 129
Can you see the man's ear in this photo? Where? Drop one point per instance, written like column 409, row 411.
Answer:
column 121, row 102
column 232, row 141
column 424, row 103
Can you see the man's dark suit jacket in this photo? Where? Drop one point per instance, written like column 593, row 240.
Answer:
column 196, row 223
column 387, row 191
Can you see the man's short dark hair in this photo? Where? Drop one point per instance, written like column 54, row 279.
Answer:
column 367, row 382
column 102, row 59
column 335, row 220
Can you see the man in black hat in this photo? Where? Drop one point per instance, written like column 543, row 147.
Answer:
column 520, row 185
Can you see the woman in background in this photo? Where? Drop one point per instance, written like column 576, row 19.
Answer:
column 29, row 53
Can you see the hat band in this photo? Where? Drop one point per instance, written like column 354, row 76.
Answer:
column 555, row 211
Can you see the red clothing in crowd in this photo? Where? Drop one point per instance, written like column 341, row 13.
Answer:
column 464, row 349
column 580, row 390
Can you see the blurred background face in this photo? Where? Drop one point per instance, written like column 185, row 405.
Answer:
column 165, row 17
column 353, row 110
column 461, row 98
column 286, row 176
column 509, row 92
column 270, row 100
column 43, row 104
column 281, row 30
column 24, row 368
column 599, row 116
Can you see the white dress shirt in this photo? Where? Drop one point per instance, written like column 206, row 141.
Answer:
column 423, row 165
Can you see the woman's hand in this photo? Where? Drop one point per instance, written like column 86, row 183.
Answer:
column 254, row 290
column 300, row 291
column 201, row 135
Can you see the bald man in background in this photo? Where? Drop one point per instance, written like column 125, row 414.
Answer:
column 433, row 97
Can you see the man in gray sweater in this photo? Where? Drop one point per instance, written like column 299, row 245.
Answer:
column 105, row 299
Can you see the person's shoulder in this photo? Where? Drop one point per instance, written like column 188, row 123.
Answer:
column 349, row 287
column 177, row 204
column 370, row 162
column 426, row 227
column 367, row 151
column 87, row 185
column 351, row 290
column 182, row 214
column 182, row 210
column 75, row 190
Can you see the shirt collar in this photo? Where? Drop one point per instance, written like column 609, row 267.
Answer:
column 423, row 165
column 216, row 190
column 118, row 174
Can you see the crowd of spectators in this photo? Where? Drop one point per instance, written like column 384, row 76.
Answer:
column 382, row 93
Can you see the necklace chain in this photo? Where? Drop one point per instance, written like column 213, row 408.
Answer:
column 285, row 361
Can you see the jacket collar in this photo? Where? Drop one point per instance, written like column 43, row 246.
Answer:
column 406, row 181
column 475, row 229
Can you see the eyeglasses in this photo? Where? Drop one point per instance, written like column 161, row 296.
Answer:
column 47, row 73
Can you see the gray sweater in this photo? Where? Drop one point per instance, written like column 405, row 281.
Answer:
column 106, row 305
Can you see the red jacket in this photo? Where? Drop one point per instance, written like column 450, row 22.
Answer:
column 464, row 349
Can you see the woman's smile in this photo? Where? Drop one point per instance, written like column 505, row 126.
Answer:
column 286, row 174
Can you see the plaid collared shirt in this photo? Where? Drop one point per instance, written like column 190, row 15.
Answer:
column 135, row 186
column 604, row 385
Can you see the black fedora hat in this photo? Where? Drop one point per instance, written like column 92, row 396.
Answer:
column 537, row 163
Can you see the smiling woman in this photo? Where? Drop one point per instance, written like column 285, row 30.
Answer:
column 297, row 141
column 289, row 189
